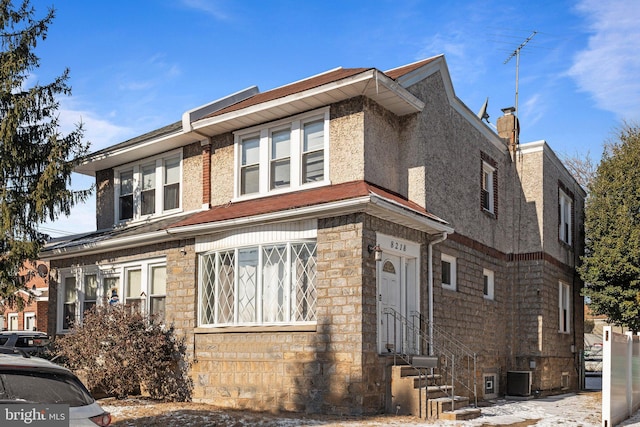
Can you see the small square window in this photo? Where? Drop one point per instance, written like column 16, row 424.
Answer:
column 448, row 266
column 490, row 386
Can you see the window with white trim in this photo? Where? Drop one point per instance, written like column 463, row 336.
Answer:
column 90, row 291
column 29, row 321
column 140, row 285
column 448, row 270
column 150, row 188
column 13, row 321
column 69, row 303
column 284, row 155
column 488, row 287
column 258, row 285
column 565, row 209
column 157, row 290
column 487, row 192
column 564, row 308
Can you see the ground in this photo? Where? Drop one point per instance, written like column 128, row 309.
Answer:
column 568, row 410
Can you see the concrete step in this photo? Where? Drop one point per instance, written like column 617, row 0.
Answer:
column 461, row 414
column 438, row 406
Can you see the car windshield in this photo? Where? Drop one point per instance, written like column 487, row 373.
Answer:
column 42, row 387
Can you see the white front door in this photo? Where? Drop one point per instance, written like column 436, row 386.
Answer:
column 391, row 295
column 398, row 287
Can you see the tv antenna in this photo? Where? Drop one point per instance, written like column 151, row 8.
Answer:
column 516, row 53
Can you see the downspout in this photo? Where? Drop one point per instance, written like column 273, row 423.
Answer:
column 440, row 239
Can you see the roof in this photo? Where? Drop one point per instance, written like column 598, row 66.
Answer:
column 300, row 199
column 248, row 108
column 290, row 89
column 339, row 199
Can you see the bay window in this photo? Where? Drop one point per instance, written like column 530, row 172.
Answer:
column 257, row 285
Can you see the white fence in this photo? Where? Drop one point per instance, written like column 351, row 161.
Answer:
column 620, row 376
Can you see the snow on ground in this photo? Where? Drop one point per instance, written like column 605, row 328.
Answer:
column 567, row 410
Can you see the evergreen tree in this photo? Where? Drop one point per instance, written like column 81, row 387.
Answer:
column 611, row 265
column 36, row 159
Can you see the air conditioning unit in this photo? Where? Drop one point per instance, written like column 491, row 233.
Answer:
column 518, row 383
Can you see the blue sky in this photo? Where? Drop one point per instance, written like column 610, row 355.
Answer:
column 138, row 65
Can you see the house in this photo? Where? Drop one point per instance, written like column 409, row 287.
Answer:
column 35, row 313
column 307, row 238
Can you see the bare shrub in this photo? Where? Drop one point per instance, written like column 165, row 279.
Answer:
column 117, row 351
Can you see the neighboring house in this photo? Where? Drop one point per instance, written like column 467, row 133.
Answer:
column 34, row 316
column 304, row 239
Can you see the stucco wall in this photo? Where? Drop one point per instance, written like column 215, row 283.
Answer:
column 192, row 177
column 347, row 141
column 105, row 209
column 442, row 143
column 222, row 169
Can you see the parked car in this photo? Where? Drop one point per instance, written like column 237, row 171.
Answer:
column 31, row 342
column 27, row 380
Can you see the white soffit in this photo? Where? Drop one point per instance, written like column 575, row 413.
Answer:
column 371, row 83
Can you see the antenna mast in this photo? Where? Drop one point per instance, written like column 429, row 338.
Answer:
column 516, row 53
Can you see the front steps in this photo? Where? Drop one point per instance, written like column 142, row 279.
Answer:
column 423, row 396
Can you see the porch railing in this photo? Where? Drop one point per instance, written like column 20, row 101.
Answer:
column 408, row 337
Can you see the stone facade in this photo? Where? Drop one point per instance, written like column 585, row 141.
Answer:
column 430, row 159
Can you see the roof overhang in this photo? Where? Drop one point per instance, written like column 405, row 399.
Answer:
column 370, row 83
column 127, row 152
column 372, row 204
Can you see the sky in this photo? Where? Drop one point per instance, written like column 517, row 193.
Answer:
column 136, row 66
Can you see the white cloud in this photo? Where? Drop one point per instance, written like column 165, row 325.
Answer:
column 101, row 133
column 212, row 7
column 608, row 68
column 533, row 109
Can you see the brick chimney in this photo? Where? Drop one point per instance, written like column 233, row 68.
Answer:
column 509, row 128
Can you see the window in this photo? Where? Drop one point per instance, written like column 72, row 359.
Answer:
column 134, row 295
column 488, row 195
column 280, row 173
column 313, row 152
column 171, row 184
column 151, row 188
column 488, row 278
column 90, row 291
column 448, row 266
column 13, row 321
column 109, row 284
column 565, row 209
column 250, row 170
column 158, row 290
column 29, row 321
column 70, row 298
column 283, row 156
column 490, row 386
column 126, row 195
column 148, row 197
column 564, row 307
column 263, row 284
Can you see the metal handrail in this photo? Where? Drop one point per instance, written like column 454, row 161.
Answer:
column 415, row 340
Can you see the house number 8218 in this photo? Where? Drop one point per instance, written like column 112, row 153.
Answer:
column 398, row 246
